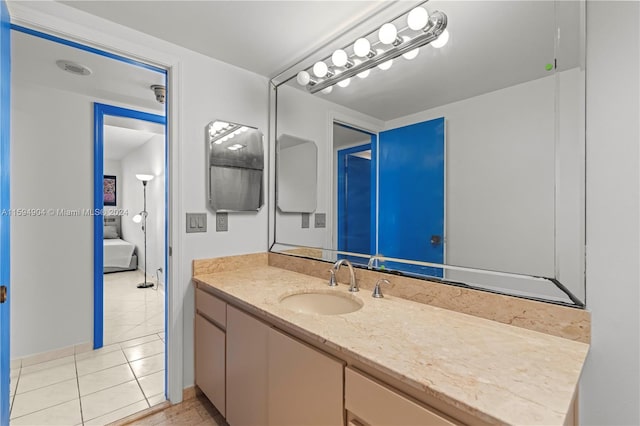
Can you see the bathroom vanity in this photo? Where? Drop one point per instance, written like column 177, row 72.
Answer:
column 390, row 361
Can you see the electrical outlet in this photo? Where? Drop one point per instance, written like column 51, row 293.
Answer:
column 320, row 220
column 305, row 220
column 222, row 224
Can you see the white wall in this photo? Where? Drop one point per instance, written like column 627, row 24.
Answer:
column 610, row 388
column 51, row 256
column 114, row 168
column 147, row 159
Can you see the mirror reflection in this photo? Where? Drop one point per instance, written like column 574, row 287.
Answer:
column 235, row 167
column 296, row 174
column 469, row 155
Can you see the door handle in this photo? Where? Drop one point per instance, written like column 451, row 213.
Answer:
column 3, row 293
column 436, row 240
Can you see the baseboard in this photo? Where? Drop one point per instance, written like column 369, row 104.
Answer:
column 28, row 360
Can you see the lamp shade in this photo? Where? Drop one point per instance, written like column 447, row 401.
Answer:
column 144, row 178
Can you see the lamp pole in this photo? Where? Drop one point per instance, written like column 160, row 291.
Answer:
column 145, row 284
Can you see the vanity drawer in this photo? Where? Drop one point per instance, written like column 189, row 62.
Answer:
column 211, row 307
column 377, row 404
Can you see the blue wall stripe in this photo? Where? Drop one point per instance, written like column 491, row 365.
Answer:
column 5, row 201
column 99, row 111
column 86, row 48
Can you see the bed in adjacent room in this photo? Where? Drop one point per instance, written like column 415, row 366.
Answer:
column 118, row 255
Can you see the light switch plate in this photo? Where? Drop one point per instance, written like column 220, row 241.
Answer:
column 305, row 220
column 320, row 220
column 196, row 222
column 222, row 224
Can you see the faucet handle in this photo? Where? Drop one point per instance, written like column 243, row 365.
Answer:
column 332, row 278
column 377, row 293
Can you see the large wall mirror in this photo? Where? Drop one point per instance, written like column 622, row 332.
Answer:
column 464, row 163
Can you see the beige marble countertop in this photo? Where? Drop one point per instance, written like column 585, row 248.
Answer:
column 495, row 372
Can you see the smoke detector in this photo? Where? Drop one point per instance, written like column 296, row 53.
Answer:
column 160, row 92
column 73, row 67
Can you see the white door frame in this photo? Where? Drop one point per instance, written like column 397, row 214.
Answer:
column 57, row 19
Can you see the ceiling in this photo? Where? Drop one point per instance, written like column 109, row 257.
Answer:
column 34, row 62
column 124, row 135
column 265, row 37
column 111, row 81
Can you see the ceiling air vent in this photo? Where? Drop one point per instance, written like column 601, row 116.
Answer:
column 73, row 67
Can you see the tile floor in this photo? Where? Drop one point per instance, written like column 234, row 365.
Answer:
column 99, row 387
column 131, row 312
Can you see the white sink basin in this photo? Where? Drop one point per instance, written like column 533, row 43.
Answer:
column 321, row 302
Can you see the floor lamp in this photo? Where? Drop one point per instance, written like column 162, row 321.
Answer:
column 142, row 217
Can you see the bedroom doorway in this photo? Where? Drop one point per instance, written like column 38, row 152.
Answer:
column 130, row 240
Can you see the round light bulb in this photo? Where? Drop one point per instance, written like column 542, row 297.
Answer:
column 362, row 47
column 303, row 78
column 327, row 90
column 339, row 58
column 418, row 18
column 385, row 65
column 137, row 218
column 388, row 33
column 412, row 53
column 320, row 69
column 344, row 83
column 217, row 126
column 441, row 40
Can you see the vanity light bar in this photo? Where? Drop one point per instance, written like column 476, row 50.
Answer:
column 436, row 25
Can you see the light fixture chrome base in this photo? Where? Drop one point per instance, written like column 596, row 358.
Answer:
column 145, row 284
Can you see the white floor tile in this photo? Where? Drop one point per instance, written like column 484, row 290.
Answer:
column 13, row 384
column 144, row 350
column 156, row 399
column 105, row 401
column 118, row 414
column 97, row 352
column 152, row 384
column 46, row 397
column 100, row 362
column 139, row 341
column 104, row 379
column 46, row 377
column 67, row 413
column 149, row 365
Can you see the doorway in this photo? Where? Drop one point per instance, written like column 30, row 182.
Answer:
column 55, row 372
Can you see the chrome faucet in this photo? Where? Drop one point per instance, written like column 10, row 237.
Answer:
column 377, row 293
column 353, row 285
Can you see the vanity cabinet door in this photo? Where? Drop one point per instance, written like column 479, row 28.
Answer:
column 378, row 405
column 305, row 385
column 210, row 361
column 246, row 369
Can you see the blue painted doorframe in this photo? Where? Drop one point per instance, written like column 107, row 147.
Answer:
column 99, row 112
column 5, row 143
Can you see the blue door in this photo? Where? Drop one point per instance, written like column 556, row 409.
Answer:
column 5, row 105
column 411, row 195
